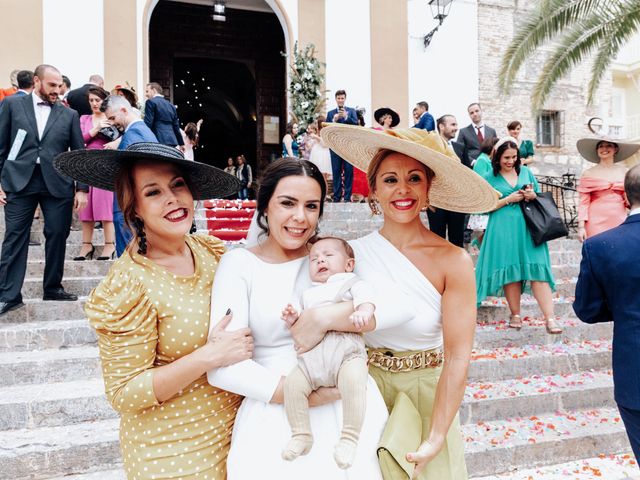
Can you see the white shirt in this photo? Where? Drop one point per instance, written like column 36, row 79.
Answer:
column 42, row 115
column 635, row 211
column 479, row 127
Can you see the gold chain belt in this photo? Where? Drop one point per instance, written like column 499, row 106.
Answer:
column 415, row 361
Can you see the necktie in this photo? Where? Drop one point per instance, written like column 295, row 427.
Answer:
column 480, row 136
column 43, row 104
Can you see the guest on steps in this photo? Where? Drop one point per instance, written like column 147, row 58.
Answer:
column 607, row 291
column 602, row 202
column 509, row 262
column 154, row 350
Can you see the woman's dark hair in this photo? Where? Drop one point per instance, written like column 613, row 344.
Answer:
column 321, row 119
column 191, row 131
column 497, row 155
column 513, row 125
column 289, row 128
column 487, row 145
column 281, row 168
column 126, row 190
column 99, row 92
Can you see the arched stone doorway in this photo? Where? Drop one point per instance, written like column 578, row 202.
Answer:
column 237, row 69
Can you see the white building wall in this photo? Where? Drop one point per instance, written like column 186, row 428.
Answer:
column 348, row 53
column 73, row 38
column 445, row 74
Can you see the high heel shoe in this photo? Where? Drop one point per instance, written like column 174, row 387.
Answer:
column 551, row 324
column 515, row 322
column 110, row 257
column 88, row 255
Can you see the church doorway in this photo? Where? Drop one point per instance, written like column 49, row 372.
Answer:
column 235, row 69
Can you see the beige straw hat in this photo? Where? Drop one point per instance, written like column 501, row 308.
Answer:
column 454, row 187
column 587, row 147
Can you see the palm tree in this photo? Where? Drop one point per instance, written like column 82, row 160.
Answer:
column 582, row 28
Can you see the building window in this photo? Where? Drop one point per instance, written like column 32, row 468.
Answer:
column 550, row 129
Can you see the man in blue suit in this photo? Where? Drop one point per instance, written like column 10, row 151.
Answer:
column 425, row 121
column 162, row 117
column 346, row 115
column 120, row 112
column 25, row 82
column 608, row 290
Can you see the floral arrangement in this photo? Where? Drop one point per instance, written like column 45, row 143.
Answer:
column 307, row 77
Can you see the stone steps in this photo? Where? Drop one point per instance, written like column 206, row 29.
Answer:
column 46, row 366
column 55, row 451
column 609, row 467
column 81, row 286
column 36, row 310
column 53, row 404
column 489, row 311
column 497, row 446
column 87, row 268
column 114, row 474
column 53, row 334
column 491, row 365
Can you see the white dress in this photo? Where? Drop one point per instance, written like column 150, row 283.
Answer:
column 321, row 157
column 257, row 292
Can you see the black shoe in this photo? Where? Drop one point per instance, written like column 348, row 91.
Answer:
column 60, row 295
column 8, row 306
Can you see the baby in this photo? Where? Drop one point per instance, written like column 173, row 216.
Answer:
column 338, row 360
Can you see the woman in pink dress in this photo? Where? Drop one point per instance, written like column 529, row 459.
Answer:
column 100, row 202
column 602, row 202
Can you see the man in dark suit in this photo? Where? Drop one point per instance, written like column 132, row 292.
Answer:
column 346, row 115
column 608, row 291
column 25, row 83
column 33, row 130
column 471, row 136
column 120, row 112
column 78, row 98
column 441, row 220
column 425, row 121
column 162, row 117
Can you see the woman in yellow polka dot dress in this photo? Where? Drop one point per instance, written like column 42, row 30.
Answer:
column 151, row 314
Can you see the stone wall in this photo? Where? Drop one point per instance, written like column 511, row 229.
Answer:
column 498, row 20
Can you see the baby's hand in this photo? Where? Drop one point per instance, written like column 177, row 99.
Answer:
column 290, row 315
column 362, row 316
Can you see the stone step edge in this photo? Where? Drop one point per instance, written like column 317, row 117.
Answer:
column 116, row 473
column 47, row 392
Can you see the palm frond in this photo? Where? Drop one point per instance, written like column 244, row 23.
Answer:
column 551, row 18
column 628, row 23
column 574, row 48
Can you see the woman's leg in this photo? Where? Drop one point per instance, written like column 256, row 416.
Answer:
column 513, row 292
column 542, row 293
column 109, row 238
column 87, row 238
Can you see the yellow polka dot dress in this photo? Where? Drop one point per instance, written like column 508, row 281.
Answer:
column 146, row 317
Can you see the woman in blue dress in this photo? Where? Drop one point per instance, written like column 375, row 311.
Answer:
column 509, row 262
column 290, row 146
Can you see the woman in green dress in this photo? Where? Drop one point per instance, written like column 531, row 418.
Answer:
column 525, row 147
column 509, row 262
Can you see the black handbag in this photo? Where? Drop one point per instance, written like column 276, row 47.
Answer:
column 543, row 218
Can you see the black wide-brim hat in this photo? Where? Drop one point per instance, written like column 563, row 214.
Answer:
column 99, row 168
column 395, row 118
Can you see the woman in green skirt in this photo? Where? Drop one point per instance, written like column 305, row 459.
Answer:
column 419, row 361
column 509, row 262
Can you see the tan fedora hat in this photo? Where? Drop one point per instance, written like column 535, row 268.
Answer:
column 454, row 187
column 587, row 147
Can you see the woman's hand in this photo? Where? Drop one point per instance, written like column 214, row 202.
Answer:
column 529, row 194
column 424, row 455
column 323, row 395
column 515, row 197
column 582, row 234
column 226, row 348
column 308, row 331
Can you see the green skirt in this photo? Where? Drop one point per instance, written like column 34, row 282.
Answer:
column 420, row 387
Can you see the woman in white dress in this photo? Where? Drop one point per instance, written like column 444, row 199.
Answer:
column 424, row 359
column 256, row 284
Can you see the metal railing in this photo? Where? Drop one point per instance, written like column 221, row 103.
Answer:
column 565, row 195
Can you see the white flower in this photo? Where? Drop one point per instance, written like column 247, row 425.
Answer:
column 310, row 65
column 297, row 86
column 304, row 104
